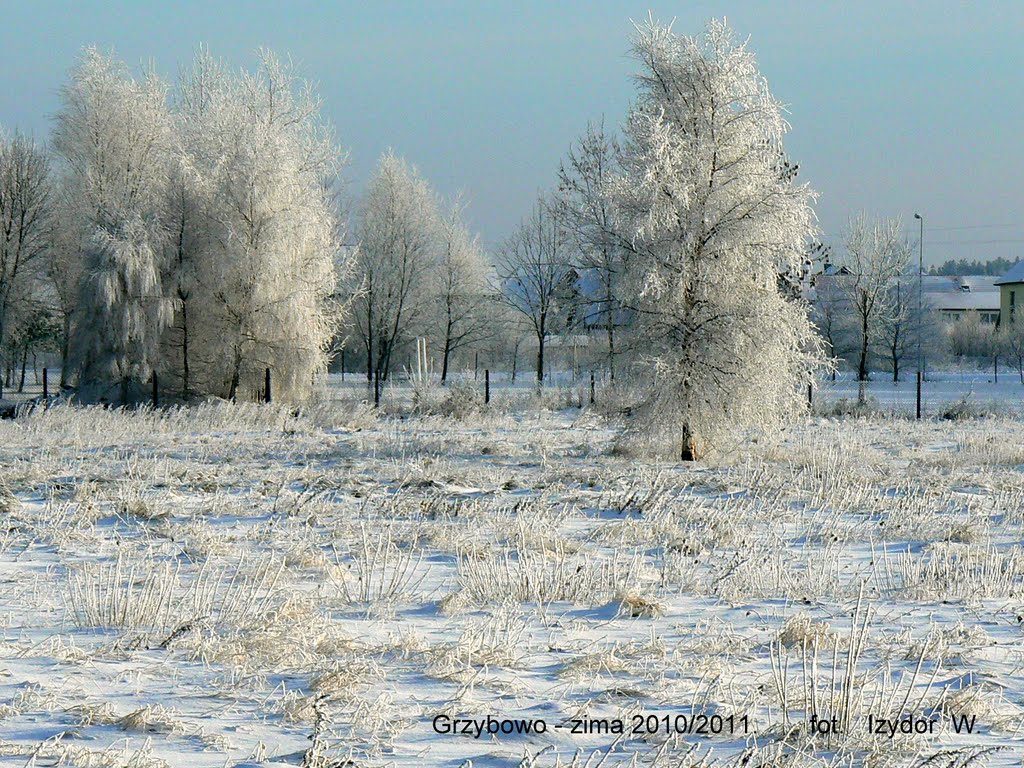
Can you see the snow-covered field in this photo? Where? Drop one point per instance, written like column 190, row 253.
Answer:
column 245, row 586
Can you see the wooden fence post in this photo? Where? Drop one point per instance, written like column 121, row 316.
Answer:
column 267, row 398
column 46, row 386
column 593, row 399
column 487, row 386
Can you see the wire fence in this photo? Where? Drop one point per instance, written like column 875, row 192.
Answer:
column 942, row 392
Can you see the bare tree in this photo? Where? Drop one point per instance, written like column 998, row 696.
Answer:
column 532, row 268
column 584, row 206
column 900, row 321
column 876, row 254
column 25, row 218
column 832, row 317
column 463, row 297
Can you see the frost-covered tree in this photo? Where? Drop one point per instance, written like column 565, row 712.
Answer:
column 463, row 316
column 253, row 234
column 113, row 136
column 900, row 324
column 709, row 205
column 599, row 252
column 25, row 220
column 533, row 268
column 969, row 337
column 877, row 253
column 397, row 258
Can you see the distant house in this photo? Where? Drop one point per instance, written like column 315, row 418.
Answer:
column 953, row 296
column 1011, row 293
column 948, row 297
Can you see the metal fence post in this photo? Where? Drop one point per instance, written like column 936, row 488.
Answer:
column 918, row 394
column 266, row 390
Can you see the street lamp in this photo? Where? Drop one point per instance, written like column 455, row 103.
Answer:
column 920, row 303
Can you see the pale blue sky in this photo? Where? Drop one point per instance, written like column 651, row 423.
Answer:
column 895, row 107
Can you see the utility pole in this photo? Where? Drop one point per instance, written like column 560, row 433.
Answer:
column 920, row 306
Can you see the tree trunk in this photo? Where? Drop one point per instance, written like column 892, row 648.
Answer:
column 24, row 366
column 369, row 340
column 236, row 376
column 540, row 359
column 609, row 299
column 186, row 376
column 687, row 445
column 65, row 350
column 611, row 351
column 444, row 360
column 862, row 365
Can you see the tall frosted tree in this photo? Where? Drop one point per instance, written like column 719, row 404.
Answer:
column 256, row 231
column 713, row 216
column 113, row 135
column 398, row 256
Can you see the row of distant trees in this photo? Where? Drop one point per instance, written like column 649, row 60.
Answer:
column 993, row 267
column 195, row 231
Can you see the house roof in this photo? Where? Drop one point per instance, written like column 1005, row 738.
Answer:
column 1015, row 275
column 948, row 293
column 961, row 292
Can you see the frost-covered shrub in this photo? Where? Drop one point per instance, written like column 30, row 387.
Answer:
column 964, row 408
column 459, row 400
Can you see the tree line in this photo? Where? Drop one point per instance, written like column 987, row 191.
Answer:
column 190, row 230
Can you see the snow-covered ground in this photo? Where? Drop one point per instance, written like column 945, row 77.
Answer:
column 242, row 585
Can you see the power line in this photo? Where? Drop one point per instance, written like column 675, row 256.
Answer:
column 976, row 226
column 972, row 242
